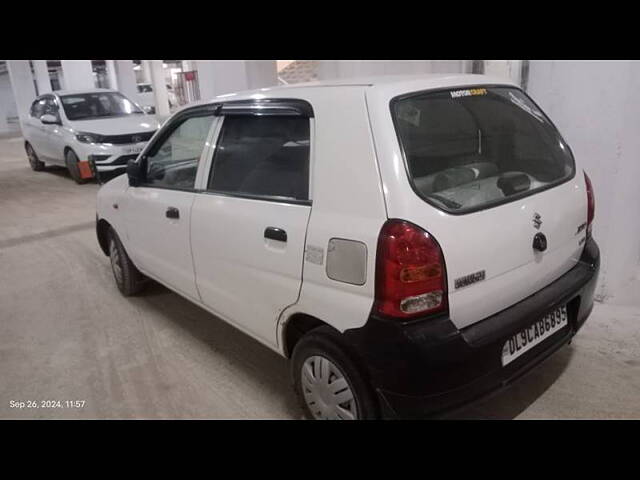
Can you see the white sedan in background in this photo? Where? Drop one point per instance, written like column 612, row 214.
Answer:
column 101, row 126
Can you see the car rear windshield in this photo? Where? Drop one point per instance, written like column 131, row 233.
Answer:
column 469, row 149
column 87, row 106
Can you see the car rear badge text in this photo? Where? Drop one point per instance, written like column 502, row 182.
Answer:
column 469, row 279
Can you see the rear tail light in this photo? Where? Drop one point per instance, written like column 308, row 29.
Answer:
column 591, row 203
column 410, row 272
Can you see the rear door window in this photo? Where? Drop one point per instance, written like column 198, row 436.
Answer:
column 469, row 149
column 262, row 156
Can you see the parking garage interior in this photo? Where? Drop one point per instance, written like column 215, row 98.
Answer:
column 67, row 333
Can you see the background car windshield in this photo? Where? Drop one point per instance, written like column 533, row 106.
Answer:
column 97, row 105
column 471, row 148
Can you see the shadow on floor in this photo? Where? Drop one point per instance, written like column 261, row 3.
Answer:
column 260, row 364
column 267, row 368
column 514, row 400
column 63, row 173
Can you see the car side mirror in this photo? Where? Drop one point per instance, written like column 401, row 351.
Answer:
column 134, row 172
column 48, row 119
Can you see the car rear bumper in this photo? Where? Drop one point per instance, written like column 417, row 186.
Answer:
column 426, row 368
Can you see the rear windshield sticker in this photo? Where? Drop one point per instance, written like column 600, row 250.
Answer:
column 468, row 93
column 531, row 111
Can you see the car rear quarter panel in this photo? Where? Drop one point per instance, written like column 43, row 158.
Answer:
column 110, row 194
column 348, row 203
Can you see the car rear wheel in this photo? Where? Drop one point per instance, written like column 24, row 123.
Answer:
column 71, row 161
column 328, row 382
column 128, row 278
column 36, row 164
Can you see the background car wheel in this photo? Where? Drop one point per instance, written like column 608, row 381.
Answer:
column 34, row 161
column 328, row 382
column 71, row 161
column 128, row 278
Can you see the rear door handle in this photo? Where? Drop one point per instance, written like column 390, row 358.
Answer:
column 173, row 212
column 275, row 234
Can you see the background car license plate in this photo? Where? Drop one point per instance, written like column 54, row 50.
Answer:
column 531, row 336
column 132, row 150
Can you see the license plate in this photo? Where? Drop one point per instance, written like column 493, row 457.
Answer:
column 531, row 336
column 132, row 150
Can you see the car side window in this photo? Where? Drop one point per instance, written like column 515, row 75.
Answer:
column 174, row 162
column 264, row 156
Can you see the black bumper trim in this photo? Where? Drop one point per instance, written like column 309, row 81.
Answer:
column 428, row 367
column 530, row 309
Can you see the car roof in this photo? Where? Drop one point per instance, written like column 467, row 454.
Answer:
column 79, row 92
column 383, row 85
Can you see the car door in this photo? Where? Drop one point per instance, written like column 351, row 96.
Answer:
column 35, row 132
column 249, row 225
column 53, row 141
column 158, row 211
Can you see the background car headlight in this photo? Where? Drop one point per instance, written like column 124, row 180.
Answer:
column 88, row 137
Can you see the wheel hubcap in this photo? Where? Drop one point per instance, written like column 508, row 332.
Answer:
column 326, row 390
column 115, row 262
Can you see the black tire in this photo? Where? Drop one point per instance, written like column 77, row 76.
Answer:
column 36, row 164
column 128, row 279
column 71, row 161
column 326, row 342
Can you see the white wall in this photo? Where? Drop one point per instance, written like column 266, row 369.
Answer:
column 596, row 105
column 331, row 69
column 217, row 77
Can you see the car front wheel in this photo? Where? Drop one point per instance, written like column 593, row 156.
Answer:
column 327, row 380
column 36, row 164
column 71, row 162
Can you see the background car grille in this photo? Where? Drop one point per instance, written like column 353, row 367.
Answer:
column 128, row 138
column 124, row 159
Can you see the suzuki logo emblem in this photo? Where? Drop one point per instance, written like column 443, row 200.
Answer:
column 136, row 139
column 537, row 220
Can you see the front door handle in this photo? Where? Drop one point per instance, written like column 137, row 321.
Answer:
column 275, row 234
column 173, row 212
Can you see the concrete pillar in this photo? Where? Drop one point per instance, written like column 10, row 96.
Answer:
column 217, row 77
column 159, row 88
column 78, row 74
column 8, row 107
column 146, row 71
column 111, row 74
column 126, row 79
column 24, row 90
column 509, row 69
column 42, row 76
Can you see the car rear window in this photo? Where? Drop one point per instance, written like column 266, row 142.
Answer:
column 469, row 149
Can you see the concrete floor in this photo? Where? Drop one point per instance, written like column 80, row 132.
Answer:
column 67, row 334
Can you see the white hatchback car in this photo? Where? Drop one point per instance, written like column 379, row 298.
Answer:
column 411, row 244
column 99, row 126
